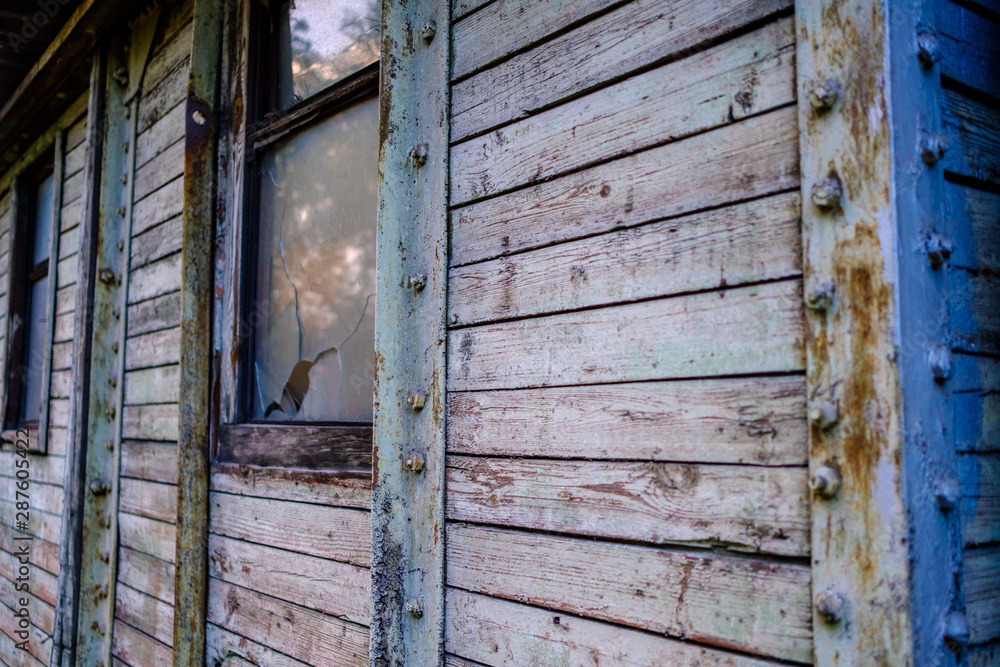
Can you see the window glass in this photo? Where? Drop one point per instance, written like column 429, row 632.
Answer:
column 42, row 222
column 323, row 41
column 314, row 318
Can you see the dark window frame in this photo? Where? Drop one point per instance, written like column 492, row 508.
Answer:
column 272, row 443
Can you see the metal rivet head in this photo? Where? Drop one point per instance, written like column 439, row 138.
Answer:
column 824, row 414
column 124, row 179
column 114, row 347
column 428, row 30
column 419, row 154
column 823, row 95
column 416, row 401
column 939, row 358
column 947, row 493
column 125, row 147
column 414, row 462
column 830, row 606
column 415, row 607
column 825, row 482
column 108, row 276
column 121, row 76
column 416, row 283
column 110, row 445
column 121, row 211
column 956, row 632
column 820, row 297
column 110, row 413
column 928, row 49
column 827, row 193
column 99, row 488
column 104, row 556
column 932, row 149
column 939, row 249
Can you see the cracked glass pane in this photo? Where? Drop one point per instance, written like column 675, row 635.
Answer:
column 315, row 312
column 323, row 41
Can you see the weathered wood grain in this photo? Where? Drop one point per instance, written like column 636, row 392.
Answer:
column 297, row 446
column 64, row 328
column 156, row 101
column 749, row 242
column 305, row 486
column 70, row 215
column 975, row 321
column 45, row 497
column 69, row 242
column 149, row 499
column 159, row 171
column 43, row 554
column 135, row 648
column 982, row 571
column 333, row 533
column 160, row 136
column 497, row 632
column 39, row 647
column 749, row 605
column 152, row 385
column 154, row 315
column 160, row 348
column 314, row 638
column 984, row 656
column 150, row 422
column 44, row 469
column 637, row 34
column 74, row 159
column 980, row 503
column 145, row 613
column 43, row 584
column 76, row 134
column 327, row 586
column 65, row 300
column 145, row 573
column 168, row 55
column 459, row 8
column 970, row 48
column 749, row 75
column 60, row 384
column 972, row 132
column 158, row 242
column 153, row 461
column 232, row 650
column 743, row 507
column 41, row 613
column 755, row 157
column 740, row 331
column 152, row 537
column 759, row 421
column 66, row 271
column 975, row 227
column 160, row 205
column 72, row 188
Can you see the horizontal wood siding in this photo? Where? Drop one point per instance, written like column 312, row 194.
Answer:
column 627, row 437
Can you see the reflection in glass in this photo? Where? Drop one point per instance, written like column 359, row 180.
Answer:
column 323, row 41
column 315, row 312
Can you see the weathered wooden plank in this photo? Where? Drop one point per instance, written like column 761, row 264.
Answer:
column 150, row 422
column 972, row 132
column 145, row 613
column 66, row 300
column 158, row 242
column 974, row 217
column 152, row 537
column 979, row 508
column 749, row 605
column 740, row 331
column 750, row 242
column 149, row 499
column 69, row 242
column 746, row 76
column 460, row 8
column 310, row 486
column 977, row 421
column 43, row 469
column 758, row 421
column 314, row 638
column 156, row 279
column 145, row 573
column 160, row 136
column 970, row 47
column 743, row 507
column 135, row 648
column 160, row 205
column 497, row 632
column 72, row 188
column 232, row 650
column 39, row 646
column 153, row 461
column 60, row 384
column 58, row 417
column 70, row 215
column 159, row 171
column 755, row 157
column 74, row 160
column 159, row 348
column 154, row 315
column 334, row 533
column 334, row 588
column 297, row 446
column 76, row 134
column 163, row 97
column 42, row 584
column 64, row 328
column 975, row 321
column 43, row 554
column 984, row 656
column 621, row 41
column 45, row 497
column 152, row 385
column 41, row 613
column 66, row 271
column 168, row 56
column 982, row 572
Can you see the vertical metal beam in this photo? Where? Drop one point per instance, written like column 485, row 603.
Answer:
column 860, row 552
column 412, row 259
column 200, row 136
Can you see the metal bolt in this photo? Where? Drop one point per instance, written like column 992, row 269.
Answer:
column 827, row 193
column 416, row 283
column 108, row 277
column 114, row 347
column 825, row 482
column 116, row 313
column 112, row 382
column 823, row 95
column 120, row 246
column 820, row 297
column 419, row 154
column 933, row 149
column 99, row 488
column 121, row 211
column 121, row 76
column 947, row 493
column 824, row 414
column 939, row 358
column 414, row 462
column 110, row 444
column 928, row 49
column 415, row 607
column 428, row 30
column 956, row 632
column 939, row 249
column 830, row 606
column 124, row 179
column 104, row 556
column 416, row 401
column 125, row 147
column 102, row 591
column 110, row 413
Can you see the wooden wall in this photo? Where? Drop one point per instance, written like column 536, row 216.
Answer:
column 143, row 631
column 46, row 470
column 970, row 85
column 627, row 441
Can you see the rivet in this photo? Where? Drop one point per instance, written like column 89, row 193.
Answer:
column 824, row 414
column 956, row 631
column 428, row 30
column 823, row 95
column 107, row 276
column 121, row 211
column 820, row 297
column 120, row 246
column 416, row 401
column 125, row 147
column 825, row 482
column 124, row 179
column 112, row 382
column 928, row 49
column 419, row 154
column 939, row 249
column 415, row 607
column 947, row 493
column 114, row 347
column 121, row 76
column 416, row 283
column 933, row 149
column 102, row 591
column 110, row 413
column 827, row 193
column 110, row 444
column 939, row 358
column 830, row 606
column 414, row 462
column 116, row 313
column 104, row 556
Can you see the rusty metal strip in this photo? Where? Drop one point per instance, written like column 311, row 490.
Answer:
column 412, row 255
column 64, row 634
column 849, row 224
column 201, row 133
